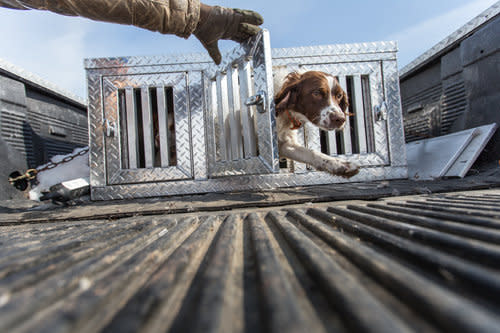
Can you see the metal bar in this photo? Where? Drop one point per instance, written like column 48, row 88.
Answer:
column 147, row 128
column 235, row 114
column 131, row 128
column 247, row 121
column 367, row 112
column 301, row 140
column 312, row 137
column 223, row 115
column 331, row 142
column 162, row 127
column 346, row 133
column 214, row 125
column 359, row 114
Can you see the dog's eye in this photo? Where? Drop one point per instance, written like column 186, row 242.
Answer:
column 339, row 96
column 317, row 93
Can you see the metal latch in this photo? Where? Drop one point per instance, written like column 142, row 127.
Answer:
column 259, row 100
column 110, row 128
column 380, row 111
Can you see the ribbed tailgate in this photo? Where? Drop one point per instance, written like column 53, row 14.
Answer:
column 422, row 263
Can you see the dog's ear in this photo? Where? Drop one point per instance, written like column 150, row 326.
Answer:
column 287, row 96
column 286, row 99
column 344, row 102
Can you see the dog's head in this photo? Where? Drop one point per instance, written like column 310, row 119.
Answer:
column 317, row 96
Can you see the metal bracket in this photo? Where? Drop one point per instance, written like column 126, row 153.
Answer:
column 110, row 128
column 259, row 100
column 380, row 111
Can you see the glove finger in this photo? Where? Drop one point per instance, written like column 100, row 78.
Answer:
column 245, row 31
column 213, row 51
column 249, row 16
column 249, row 29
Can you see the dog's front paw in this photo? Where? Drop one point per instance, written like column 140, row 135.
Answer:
column 340, row 168
column 348, row 169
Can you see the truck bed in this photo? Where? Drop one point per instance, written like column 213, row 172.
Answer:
column 384, row 257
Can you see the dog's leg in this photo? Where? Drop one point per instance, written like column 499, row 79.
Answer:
column 319, row 161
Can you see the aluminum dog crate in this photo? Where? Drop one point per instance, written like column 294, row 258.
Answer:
column 180, row 124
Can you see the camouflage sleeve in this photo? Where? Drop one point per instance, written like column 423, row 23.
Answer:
column 179, row 17
column 13, row 4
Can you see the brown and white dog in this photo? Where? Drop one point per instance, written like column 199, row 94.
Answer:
column 316, row 97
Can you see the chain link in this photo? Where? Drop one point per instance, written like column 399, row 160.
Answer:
column 52, row 165
column 28, row 175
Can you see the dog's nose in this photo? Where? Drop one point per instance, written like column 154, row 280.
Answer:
column 337, row 118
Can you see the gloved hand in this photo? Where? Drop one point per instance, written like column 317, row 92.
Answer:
column 226, row 23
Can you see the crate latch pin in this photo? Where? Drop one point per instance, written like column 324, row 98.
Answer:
column 259, row 100
column 110, row 128
column 380, row 111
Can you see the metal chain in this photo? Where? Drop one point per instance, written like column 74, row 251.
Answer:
column 31, row 174
column 52, row 165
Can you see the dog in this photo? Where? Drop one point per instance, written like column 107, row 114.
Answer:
column 316, row 97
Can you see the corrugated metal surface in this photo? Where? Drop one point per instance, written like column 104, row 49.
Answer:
column 453, row 105
column 433, row 111
column 426, row 96
column 422, row 263
column 422, row 114
column 15, row 131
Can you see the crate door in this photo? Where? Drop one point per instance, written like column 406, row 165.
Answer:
column 241, row 137
column 147, row 133
column 364, row 139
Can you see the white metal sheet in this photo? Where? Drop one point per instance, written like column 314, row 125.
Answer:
column 431, row 158
column 469, row 155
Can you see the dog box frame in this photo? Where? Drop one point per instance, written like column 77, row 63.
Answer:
column 168, row 125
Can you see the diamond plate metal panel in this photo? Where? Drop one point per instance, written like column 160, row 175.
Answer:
column 373, row 69
column 240, row 183
column 376, row 49
column 257, row 52
column 198, row 135
column 394, row 114
column 116, row 173
column 375, row 60
column 97, row 161
column 120, row 63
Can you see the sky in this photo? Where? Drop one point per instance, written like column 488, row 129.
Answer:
column 54, row 46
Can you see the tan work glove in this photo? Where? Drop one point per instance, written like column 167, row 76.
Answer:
column 226, row 23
